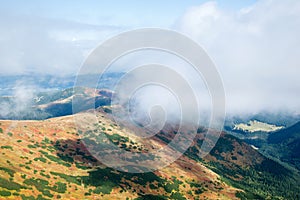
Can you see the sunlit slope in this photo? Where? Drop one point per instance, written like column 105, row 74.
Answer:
column 47, row 160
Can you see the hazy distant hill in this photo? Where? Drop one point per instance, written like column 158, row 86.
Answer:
column 286, row 136
column 283, row 144
column 53, row 103
column 49, row 82
column 286, row 145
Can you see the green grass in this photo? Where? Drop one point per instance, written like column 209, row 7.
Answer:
column 68, row 178
column 41, row 185
column 27, row 197
column 177, row 196
column 55, row 159
column 5, row 193
column 9, row 171
column 60, row 187
column 42, row 159
column 7, row 147
column 10, row 185
column 31, row 146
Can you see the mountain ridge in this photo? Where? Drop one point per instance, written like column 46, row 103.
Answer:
column 56, row 141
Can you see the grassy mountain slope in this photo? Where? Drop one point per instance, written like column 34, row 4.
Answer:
column 47, row 160
column 244, row 167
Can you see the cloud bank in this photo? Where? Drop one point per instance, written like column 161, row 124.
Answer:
column 256, row 50
column 44, row 45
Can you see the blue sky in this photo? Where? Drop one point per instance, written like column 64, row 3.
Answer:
column 115, row 12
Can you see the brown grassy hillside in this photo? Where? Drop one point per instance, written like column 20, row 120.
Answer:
column 47, row 160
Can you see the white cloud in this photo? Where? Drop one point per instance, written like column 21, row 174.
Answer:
column 42, row 45
column 257, row 50
column 21, row 100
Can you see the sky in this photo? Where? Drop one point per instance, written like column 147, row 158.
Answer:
column 254, row 44
column 116, row 12
column 33, row 33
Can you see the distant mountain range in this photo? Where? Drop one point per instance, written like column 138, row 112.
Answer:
column 54, row 103
column 48, row 82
